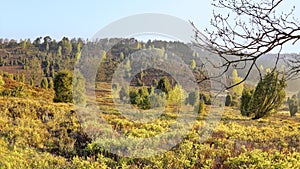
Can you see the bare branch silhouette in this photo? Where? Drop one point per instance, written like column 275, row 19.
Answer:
column 258, row 29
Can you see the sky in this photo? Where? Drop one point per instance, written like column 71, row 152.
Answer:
column 66, row 18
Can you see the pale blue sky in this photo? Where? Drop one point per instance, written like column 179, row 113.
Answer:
column 58, row 18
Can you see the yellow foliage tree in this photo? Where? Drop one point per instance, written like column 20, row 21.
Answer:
column 236, row 79
column 177, row 96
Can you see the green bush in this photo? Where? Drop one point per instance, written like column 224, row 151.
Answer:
column 151, row 89
column 293, row 105
column 114, row 86
column 63, row 87
column 228, row 100
column 142, row 100
column 245, row 102
column 132, row 96
column 44, row 83
column 69, row 89
column 164, row 85
column 15, row 92
column 267, row 97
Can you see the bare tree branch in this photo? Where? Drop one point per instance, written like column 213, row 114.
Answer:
column 258, row 29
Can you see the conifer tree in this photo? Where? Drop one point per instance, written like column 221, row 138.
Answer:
column 164, row 85
column 228, row 100
column 293, row 105
column 236, row 79
column 69, row 89
column 267, row 97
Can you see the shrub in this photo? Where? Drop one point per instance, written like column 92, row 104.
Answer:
column 157, row 99
column 44, row 83
column 298, row 98
column 151, row 89
column 132, row 96
column 142, row 100
column 50, row 83
column 164, row 85
column 114, row 86
column 177, row 95
column 267, row 97
column 293, row 105
column 228, row 100
column 63, row 87
column 15, row 92
column 69, row 89
column 245, row 102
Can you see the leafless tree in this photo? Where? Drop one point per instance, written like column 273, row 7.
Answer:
column 251, row 29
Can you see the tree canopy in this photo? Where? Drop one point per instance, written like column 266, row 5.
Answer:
column 63, row 86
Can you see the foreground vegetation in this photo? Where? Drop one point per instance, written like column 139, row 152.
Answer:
column 37, row 133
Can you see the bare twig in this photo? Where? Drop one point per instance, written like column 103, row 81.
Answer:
column 240, row 43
